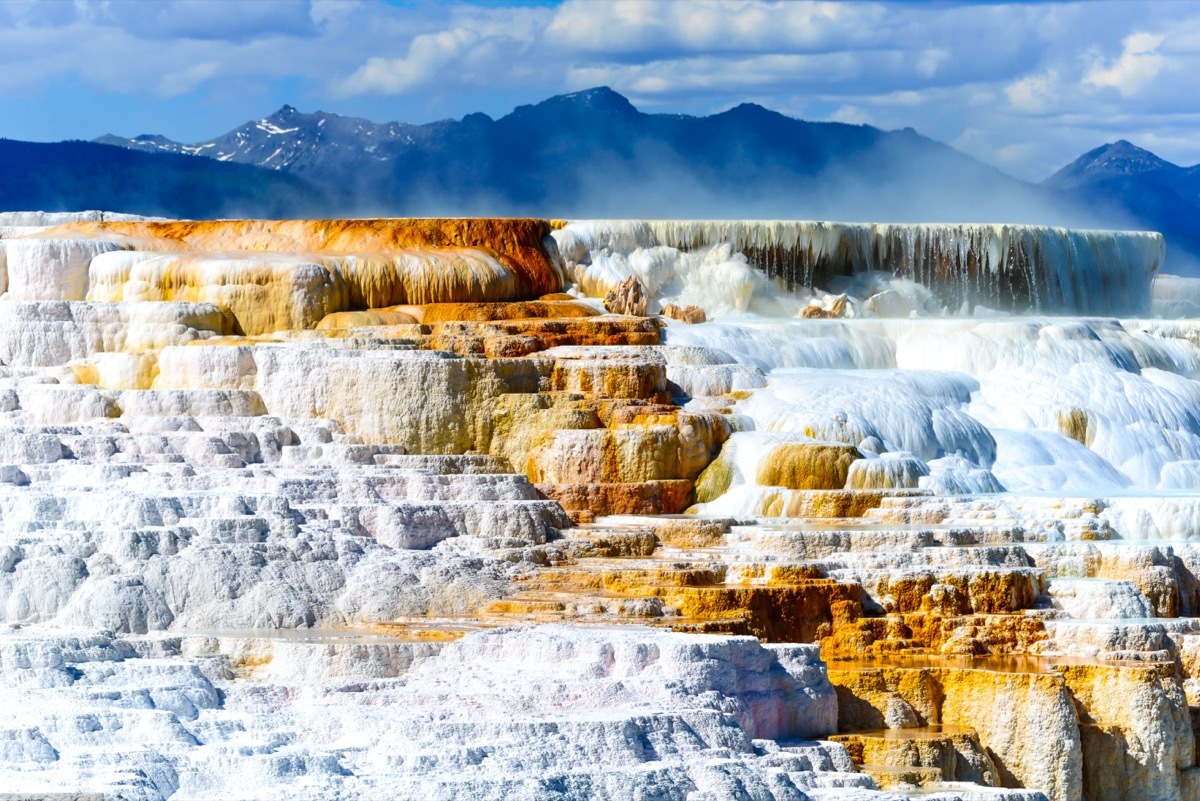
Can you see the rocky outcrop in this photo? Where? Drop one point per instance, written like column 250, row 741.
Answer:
column 627, row 297
column 687, row 314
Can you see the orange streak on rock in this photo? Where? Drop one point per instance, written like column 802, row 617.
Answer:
column 517, row 242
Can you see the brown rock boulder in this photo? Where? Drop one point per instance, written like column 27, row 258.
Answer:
column 837, row 309
column 687, row 314
column 627, row 297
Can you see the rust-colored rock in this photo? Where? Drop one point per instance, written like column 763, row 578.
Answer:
column 688, row 314
column 467, row 338
column 775, row 613
column 627, row 297
column 491, row 312
column 645, row 498
column 815, row 311
column 640, row 581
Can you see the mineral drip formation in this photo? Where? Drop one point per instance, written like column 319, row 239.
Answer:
column 405, row 509
column 1008, row 267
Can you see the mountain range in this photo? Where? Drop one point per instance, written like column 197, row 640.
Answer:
column 593, row 154
column 76, row 176
column 1121, row 179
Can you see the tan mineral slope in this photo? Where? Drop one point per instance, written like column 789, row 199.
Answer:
column 372, row 509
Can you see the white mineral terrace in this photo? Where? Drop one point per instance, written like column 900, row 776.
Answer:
column 286, row 514
column 1002, row 266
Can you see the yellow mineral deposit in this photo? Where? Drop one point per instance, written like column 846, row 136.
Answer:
column 808, row 466
column 1001, row 706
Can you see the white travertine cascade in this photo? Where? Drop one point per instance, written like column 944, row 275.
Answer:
column 1011, row 267
column 290, row 522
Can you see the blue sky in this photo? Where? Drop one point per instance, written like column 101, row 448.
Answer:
column 1025, row 86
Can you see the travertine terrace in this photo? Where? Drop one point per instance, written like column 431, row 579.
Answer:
column 399, row 509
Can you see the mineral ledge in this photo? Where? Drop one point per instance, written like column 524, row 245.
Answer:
column 395, row 509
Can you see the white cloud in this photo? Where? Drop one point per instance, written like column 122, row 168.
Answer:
column 712, row 73
column 1054, row 78
column 1034, row 93
column 1139, row 63
column 186, row 80
column 1013, row 154
column 427, row 56
column 967, row 138
column 931, row 59
column 202, row 19
column 852, row 115
column 475, row 47
column 682, row 26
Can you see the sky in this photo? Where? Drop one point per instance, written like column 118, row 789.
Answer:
column 1025, row 86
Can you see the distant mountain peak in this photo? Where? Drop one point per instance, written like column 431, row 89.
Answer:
column 154, row 139
column 750, row 107
column 288, row 114
column 1128, row 157
column 751, row 111
column 477, row 118
column 599, row 98
column 1121, row 157
column 601, row 94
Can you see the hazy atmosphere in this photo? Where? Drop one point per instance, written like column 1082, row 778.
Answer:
column 1023, row 86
